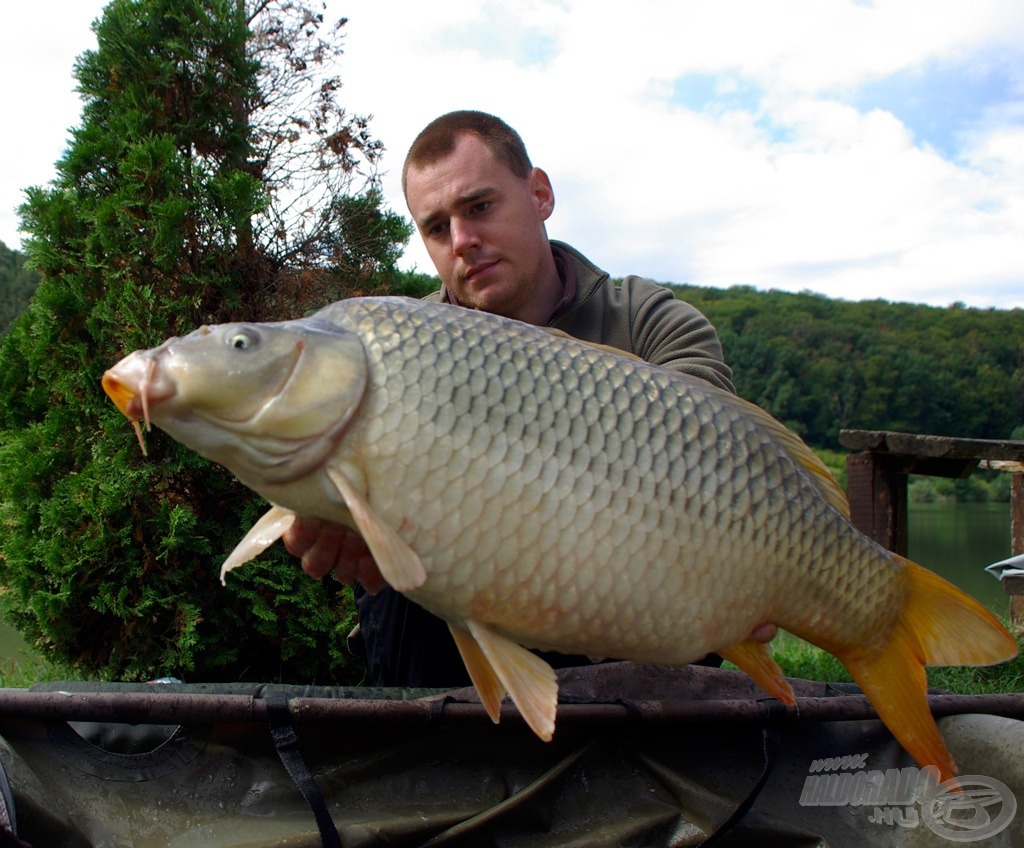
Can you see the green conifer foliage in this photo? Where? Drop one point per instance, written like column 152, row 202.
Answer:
column 109, row 560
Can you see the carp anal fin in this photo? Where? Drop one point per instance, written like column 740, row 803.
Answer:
column 399, row 564
column 497, row 665
column 755, row 658
column 272, row 525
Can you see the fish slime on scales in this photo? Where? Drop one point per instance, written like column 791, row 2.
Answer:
column 536, row 491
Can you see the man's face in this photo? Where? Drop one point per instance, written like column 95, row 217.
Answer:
column 483, row 227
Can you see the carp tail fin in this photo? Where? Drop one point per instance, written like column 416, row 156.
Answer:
column 953, row 628
column 939, row 625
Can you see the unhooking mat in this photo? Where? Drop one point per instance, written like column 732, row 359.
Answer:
column 642, row 756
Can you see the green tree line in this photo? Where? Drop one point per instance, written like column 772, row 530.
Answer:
column 17, row 285
column 820, row 364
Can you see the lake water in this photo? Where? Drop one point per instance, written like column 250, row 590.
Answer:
column 954, row 540
column 958, row 541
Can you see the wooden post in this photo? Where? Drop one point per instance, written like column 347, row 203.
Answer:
column 877, row 492
column 1017, row 539
column 877, row 485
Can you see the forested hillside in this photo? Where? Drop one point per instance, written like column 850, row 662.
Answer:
column 820, row 364
column 17, row 285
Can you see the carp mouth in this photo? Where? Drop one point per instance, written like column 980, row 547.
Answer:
column 133, row 386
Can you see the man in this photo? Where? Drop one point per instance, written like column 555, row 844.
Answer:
column 480, row 207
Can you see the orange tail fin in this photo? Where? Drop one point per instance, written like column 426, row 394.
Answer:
column 940, row 625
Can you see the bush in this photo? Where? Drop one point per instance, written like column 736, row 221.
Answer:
column 110, row 560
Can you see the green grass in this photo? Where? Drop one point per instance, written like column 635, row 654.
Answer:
column 21, row 671
column 797, row 658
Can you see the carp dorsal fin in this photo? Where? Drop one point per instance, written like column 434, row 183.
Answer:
column 795, row 447
column 755, row 658
column 399, row 564
column 497, row 665
column 272, row 525
column 561, row 334
column 790, row 441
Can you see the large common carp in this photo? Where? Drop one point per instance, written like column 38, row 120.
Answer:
column 533, row 490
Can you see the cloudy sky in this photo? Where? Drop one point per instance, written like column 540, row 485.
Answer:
column 857, row 149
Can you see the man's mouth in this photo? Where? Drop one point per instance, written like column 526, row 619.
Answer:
column 478, row 272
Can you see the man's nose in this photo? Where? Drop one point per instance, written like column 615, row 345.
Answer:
column 464, row 236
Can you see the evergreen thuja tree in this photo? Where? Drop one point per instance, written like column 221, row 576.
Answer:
column 109, row 560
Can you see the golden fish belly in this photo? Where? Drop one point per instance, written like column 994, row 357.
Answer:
column 587, row 503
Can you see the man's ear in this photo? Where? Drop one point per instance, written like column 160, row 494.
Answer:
column 542, row 192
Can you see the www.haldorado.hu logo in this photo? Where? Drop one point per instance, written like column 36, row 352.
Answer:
column 909, row 797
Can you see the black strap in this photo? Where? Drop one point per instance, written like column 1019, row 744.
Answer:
column 771, row 742
column 287, row 744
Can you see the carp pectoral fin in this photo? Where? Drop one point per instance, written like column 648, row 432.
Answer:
column 529, row 681
column 939, row 625
column 488, row 686
column 755, row 658
column 272, row 525
column 399, row 564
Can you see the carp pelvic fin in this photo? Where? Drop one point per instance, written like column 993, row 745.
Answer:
column 939, row 625
column 500, row 665
column 755, row 658
column 272, row 525
column 398, row 563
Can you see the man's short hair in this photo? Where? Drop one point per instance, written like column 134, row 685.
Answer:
column 438, row 139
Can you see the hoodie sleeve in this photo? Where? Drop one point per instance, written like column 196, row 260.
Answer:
column 673, row 334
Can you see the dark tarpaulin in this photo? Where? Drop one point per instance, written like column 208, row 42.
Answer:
column 642, row 756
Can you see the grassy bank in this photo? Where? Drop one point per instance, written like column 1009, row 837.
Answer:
column 797, row 658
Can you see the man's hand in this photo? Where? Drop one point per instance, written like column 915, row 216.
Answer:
column 324, row 547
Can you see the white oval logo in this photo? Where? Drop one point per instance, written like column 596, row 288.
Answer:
column 984, row 807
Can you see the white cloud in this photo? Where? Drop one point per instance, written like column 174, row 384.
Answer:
column 38, row 47
column 717, row 143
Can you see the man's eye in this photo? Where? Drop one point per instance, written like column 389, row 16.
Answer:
column 482, row 206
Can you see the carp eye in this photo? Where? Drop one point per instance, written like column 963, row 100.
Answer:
column 243, row 340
